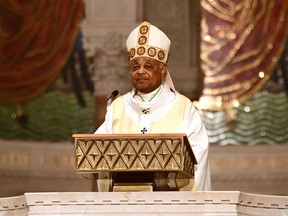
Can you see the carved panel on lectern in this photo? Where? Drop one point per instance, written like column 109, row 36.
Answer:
column 134, row 153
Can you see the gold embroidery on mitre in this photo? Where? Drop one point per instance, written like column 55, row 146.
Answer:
column 161, row 55
column 132, row 53
column 142, row 49
column 142, row 40
column 152, row 52
column 144, row 28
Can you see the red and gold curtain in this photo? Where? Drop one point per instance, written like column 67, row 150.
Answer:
column 36, row 38
column 241, row 43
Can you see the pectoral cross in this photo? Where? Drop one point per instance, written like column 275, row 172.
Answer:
column 146, row 111
column 144, row 130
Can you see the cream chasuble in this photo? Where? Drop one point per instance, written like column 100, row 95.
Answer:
column 170, row 112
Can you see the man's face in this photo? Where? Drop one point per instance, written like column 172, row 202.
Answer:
column 147, row 74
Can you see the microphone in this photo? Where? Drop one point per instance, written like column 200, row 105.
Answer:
column 113, row 94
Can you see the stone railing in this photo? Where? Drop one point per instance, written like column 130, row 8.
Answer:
column 145, row 203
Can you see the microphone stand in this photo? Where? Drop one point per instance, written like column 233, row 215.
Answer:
column 113, row 94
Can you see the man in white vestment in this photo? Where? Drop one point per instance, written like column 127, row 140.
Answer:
column 153, row 105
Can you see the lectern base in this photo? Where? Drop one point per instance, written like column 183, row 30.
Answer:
column 133, row 188
column 142, row 181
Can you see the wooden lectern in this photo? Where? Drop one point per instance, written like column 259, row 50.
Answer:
column 137, row 162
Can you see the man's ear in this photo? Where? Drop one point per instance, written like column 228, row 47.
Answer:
column 164, row 70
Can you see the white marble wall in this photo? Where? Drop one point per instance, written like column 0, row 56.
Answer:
column 47, row 166
column 105, row 29
column 35, row 166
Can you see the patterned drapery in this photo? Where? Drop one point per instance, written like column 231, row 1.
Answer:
column 36, row 38
column 241, row 43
